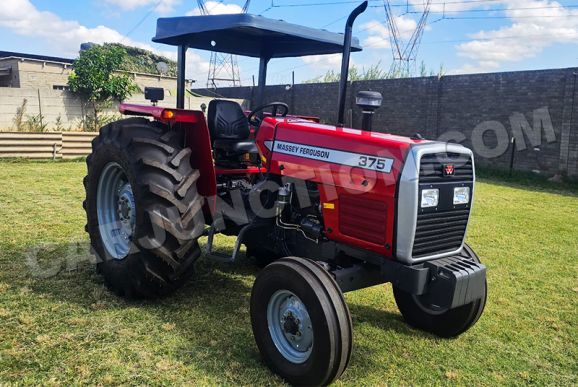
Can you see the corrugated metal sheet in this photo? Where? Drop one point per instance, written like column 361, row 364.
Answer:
column 55, row 145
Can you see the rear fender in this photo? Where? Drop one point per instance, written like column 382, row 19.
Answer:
column 197, row 139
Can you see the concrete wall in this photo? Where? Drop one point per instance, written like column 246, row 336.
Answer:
column 54, row 103
column 44, row 75
column 50, row 103
column 36, row 74
column 484, row 112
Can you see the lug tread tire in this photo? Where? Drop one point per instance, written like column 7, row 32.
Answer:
column 331, row 360
column 169, row 216
column 450, row 324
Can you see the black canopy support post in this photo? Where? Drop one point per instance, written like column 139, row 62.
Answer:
column 262, row 80
column 345, row 61
column 181, row 80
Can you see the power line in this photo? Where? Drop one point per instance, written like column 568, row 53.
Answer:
column 142, row 20
column 500, row 9
column 404, row 53
column 404, row 5
column 438, row 42
column 507, row 17
column 432, row 22
column 489, row 39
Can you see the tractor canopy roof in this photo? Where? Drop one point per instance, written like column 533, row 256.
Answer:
column 249, row 35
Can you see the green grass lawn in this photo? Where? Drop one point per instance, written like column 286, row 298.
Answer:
column 59, row 325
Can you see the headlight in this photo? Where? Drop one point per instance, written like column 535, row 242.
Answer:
column 461, row 195
column 430, row 198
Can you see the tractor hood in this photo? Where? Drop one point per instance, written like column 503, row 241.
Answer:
column 350, row 154
column 249, row 35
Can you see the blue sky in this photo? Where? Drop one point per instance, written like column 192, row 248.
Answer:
column 471, row 36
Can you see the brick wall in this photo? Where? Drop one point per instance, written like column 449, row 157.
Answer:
column 483, row 111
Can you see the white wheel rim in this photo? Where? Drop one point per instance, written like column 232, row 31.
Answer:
column 290, row 326
column 116, row 211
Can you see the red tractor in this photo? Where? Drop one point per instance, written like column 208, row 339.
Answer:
column 325, row 209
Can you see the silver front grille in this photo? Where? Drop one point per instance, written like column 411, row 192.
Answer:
column 423, row 235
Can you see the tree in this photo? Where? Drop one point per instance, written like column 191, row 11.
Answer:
column 144, row 61
column 96, row 80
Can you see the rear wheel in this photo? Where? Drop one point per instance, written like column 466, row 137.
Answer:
column 444, row 323
column 144, row 213
column 301, row 322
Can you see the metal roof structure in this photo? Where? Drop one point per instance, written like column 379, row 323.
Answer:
column 42, row 58
column 249, row 35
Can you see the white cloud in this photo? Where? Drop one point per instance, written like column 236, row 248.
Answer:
column 163, row 6
column 323, row 62
column 378, row 35
column 378, row 32
column 217, row 8
column 450, row 6
column 530, row 33
column 65, row 36
column 197, row 66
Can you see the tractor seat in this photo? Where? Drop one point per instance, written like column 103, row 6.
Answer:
column 235, row 147
column 229, row 128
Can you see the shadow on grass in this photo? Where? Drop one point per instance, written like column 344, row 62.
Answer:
column 383, row 320
column 210, row 313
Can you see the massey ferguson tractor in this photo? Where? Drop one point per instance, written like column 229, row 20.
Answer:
column 324, row 209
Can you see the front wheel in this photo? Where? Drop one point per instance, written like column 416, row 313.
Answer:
column 301, row 322
column 444, row 323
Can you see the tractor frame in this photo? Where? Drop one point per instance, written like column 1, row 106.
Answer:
column 394, row 209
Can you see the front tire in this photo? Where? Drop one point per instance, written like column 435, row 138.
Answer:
column 301, row 322
column 447, row 324
column 144, row 213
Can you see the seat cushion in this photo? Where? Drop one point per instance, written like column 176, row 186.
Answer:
column 236, row 147
column 227, row 121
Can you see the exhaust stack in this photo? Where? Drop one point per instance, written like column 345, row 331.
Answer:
column 345, row 61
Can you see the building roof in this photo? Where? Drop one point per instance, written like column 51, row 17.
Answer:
column 249, row 35
column 8, row 54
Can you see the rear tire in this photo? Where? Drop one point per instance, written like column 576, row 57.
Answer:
column 301, row 322
column 450, row 323
column 144, row 213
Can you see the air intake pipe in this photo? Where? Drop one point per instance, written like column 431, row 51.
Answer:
column 368, row 102
column 345, row 60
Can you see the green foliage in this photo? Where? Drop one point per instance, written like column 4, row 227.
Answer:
column 90, row 123
column 36, row 123
column 374, row 72
column 58, row 125
column 355, row 74
column 94, row 76
column 143, row 61
column 96, row 80
column 19, row 117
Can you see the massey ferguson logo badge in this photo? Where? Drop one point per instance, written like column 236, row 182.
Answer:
column 449, row 170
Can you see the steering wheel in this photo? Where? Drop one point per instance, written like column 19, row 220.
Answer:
column 255, row 118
